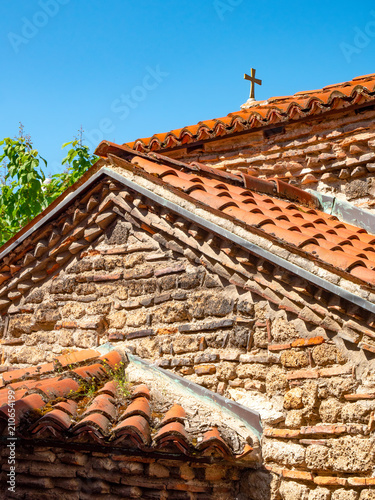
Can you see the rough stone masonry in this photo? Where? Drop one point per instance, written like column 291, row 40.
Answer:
column 304, row 362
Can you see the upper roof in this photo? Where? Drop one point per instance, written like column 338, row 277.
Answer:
column 83, row 397
column 276, row 110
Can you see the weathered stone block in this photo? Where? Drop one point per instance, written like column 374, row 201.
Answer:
column 185, row 344
column 190, row 280
column 251, row 371
column 157, row 470
column 172, row 313
column 206, row 358
column 325, row 354
column 276, row 381
column 320, row 494
column 293, row 491
column 367, row 495
column 294, row 359
column 355, row 412
column 283, row 331
column 317, row 457
column 136, row 319
column 352, row 454
column 293, row 399
column 344, row 494
column 204, row 305
column 117, row 319
column 283, row 453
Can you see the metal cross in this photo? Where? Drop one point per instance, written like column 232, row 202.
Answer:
column 253, row 81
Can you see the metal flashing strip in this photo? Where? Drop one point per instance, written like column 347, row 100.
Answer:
column 345, row 211
column 248, row 417
column 260, row 252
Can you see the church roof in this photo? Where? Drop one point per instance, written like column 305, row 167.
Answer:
column 273, row 112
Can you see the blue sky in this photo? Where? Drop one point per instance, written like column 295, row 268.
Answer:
column 124, row 69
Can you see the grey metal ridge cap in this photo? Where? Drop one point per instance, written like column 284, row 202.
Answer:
column 345, row 211
column 250, row 418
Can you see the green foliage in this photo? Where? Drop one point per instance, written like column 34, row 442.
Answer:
column 88, row 388
column 118, row 375
column 25, row 191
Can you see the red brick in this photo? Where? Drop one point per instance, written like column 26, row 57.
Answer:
column 274, row 468
column 367, row 347
column 324, row 429
column 308, row 342
column 205, row 370
column 297, row 474
column 361, row 481
column 330, row 481
column 358, row 397
column 215, row 473
column 321, row 442
column 302, row 374
column 335, row 371
column 107, row 277
column 282, row 433
column 279, row 347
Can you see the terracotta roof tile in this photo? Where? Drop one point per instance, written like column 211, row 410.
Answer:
column 172, row 435
column 141, row 391
column 274, row 110
column 93, row 371
column 78, row 357
column 109, row 388
column 28, row 372
column 112, row 359
column 139, row 406
column 55, row 418
column 135, row 427
column 58, row 389
column 69, row 406
column 22, row 407
column 175, row 414
column 213, row 443
column 102, row 404
column 92, row 422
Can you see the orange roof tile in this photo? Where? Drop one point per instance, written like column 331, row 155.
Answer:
column 274, row 110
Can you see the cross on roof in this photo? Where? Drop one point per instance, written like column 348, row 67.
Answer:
column 253, row 81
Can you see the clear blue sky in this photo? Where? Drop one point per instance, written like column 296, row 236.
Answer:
column 127, row 69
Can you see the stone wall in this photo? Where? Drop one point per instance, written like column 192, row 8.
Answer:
column 334, row 154
column 44, row 473
column 201, row 307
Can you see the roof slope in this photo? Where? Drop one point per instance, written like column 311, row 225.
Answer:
column 266, row 208
column 271, row 220
column 276, row 110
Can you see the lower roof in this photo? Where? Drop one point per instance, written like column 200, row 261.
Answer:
column 83, row 398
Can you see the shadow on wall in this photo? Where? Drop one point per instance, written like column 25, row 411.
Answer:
column 257, row 485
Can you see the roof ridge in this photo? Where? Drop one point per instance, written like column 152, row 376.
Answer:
column 269, row 112
column 273, row 186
